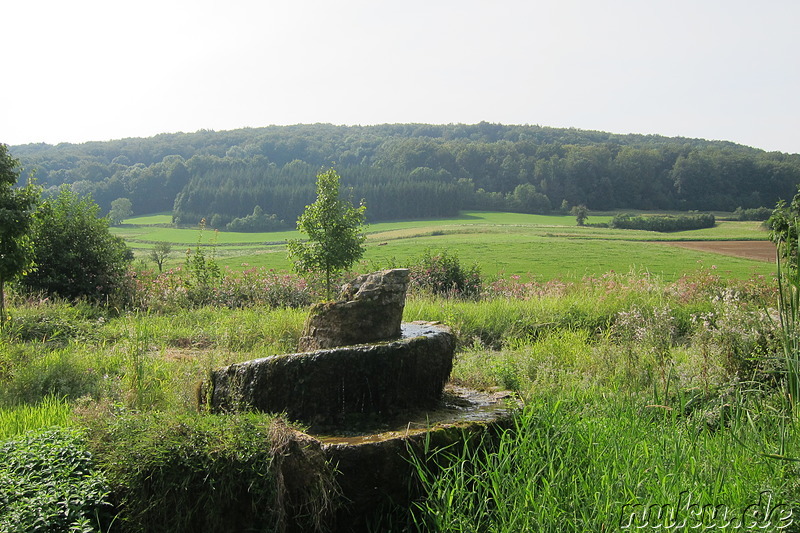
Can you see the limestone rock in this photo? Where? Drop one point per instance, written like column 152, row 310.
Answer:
column 370, row 309
column 340, row 385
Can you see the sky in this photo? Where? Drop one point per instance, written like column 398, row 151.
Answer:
column 95, row 70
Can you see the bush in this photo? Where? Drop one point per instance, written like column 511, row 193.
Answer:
column 76, row 256
column 756, row 213
column 442, row 274
column 257, row 222
column 50, row 483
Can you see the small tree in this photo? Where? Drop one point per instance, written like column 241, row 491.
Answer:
column 159, row 254
column 581, row 213
column 16, row 217
column 335, row 232
column 121, row 208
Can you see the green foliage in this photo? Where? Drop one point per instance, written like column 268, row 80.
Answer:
column 783, row 228
column 19, row 419
column 50, row 483
column 54, row 321
column 442, row 274
column 664, row 223
column 159, row 254
column 335, row 232
column 412, row 171
column 258, row 221
column 789, row 308
column 527, row 199
column 203, row 272
column 76, row 256
column 121, row 208
column 63, row 373
column 755, row 213
column 16, row 217
column 585, row 461
column 581, row 213
column 207, row 473
column 636, row 389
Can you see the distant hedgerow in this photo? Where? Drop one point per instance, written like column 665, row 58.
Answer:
column 663, row 222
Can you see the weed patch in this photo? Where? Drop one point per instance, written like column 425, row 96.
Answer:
column 50, row 483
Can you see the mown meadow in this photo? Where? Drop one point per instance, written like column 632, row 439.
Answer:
column 544, row 247
column 656, row 386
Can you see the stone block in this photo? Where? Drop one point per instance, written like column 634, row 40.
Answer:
column 369, row 309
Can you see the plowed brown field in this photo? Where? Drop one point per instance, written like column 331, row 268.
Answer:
column 758, row 250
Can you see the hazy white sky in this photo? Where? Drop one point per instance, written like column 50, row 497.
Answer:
column 107, row 69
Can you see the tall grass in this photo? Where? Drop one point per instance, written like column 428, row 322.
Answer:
column 789, row 308
column 514, row 309
column 641, row 405
column 637, row 391
column 584, row 462
column 49, row 412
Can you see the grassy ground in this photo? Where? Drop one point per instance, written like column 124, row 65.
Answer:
column 545, row 247
column 639, row 393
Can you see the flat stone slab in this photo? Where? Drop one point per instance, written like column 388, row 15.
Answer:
column 374, row 468
column 343, row 385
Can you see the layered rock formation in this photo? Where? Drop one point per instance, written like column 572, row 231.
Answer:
column 369, row 309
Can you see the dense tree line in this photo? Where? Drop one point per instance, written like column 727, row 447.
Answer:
column 663, row 223
column 405, row 171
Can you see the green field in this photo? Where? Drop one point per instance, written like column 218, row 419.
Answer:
column 544, row 247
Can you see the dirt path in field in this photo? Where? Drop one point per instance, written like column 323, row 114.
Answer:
column 758, row 250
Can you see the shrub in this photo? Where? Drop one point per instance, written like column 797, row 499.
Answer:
column 50, row 483
column 258, row 221
column 442, row 274
column 756, row 213
column 76, row 255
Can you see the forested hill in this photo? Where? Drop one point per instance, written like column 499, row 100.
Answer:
column 254, row 178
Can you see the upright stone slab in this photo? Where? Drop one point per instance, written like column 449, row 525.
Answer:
column 369, row 309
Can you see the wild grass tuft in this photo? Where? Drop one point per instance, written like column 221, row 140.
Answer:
column 584, row 462
column 49, row 412
column 789, row 308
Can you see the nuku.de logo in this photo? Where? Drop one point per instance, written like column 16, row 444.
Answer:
column 687, row 514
